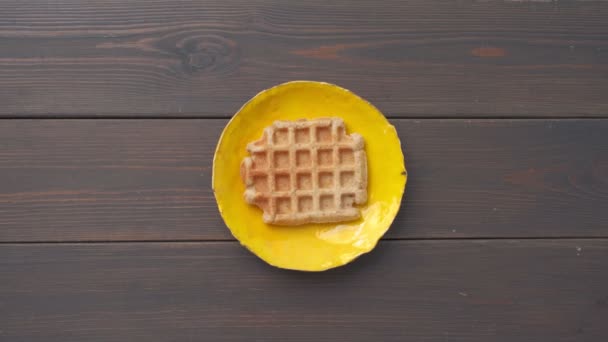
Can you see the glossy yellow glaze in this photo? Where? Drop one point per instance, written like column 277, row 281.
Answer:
column 310, row 247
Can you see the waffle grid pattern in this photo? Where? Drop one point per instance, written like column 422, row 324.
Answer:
column 306, row 171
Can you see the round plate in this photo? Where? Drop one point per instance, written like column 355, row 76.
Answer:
column 310, row 247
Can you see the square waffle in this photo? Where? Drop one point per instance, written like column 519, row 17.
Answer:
column 306, row 171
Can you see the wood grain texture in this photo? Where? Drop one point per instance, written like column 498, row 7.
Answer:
column 440, row 291
column 104, row 180
column 205, row 58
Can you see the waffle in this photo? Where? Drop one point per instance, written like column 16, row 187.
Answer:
column 306, row 171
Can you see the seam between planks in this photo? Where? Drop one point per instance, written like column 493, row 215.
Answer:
column 136, row 116
column 481, row 238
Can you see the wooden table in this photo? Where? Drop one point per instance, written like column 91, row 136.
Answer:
column 111, row 111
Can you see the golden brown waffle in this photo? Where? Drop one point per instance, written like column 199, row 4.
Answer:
column 306, row 171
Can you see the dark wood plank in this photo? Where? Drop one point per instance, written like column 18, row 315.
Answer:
column 410, row 58
column 74, row 180
column 499, row 290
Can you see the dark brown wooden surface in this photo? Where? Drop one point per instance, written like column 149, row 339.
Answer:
column 110, row 111
column 87, row 180
column 205, row 58
column 499, row 290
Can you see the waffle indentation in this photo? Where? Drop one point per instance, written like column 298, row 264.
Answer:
column 347, row 200
column 260, row 161
column 283, row 205
column 347, row 179
column 304, row 181
column 326, row 180
column 327, row 202
column 282, row 182
column 303, row 158
column 261, row 183
column 347, row 157
column 281, row 137
column 281, row 160
column 324, row 134
column 325, row 157
column 303, row 135
column 305, row 204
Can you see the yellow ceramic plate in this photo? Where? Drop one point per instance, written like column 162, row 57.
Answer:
column 310, row 247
